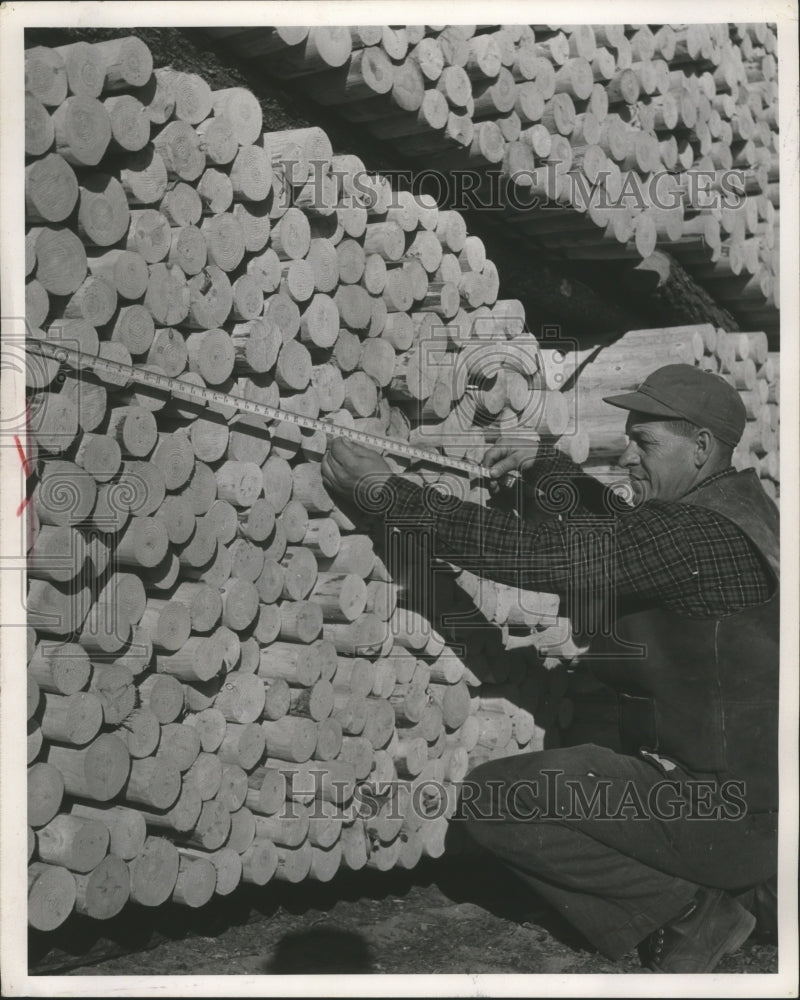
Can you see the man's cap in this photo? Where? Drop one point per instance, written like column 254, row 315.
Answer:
column 682, row 392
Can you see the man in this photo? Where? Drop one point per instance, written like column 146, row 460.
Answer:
column 646, row 846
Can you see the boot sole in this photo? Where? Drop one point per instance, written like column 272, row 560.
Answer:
column 737, row 937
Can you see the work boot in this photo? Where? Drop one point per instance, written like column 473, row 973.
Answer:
column 711, row 926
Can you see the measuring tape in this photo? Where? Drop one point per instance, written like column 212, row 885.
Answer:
column 187, row 390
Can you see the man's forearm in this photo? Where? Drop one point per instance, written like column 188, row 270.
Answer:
column 489, row 542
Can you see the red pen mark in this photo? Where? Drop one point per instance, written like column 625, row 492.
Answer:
column 21, row 451
column 25, row 469
column 28, row 469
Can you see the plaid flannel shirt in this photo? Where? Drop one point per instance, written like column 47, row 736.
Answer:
column 684, row 557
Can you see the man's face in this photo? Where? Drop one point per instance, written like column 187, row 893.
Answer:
column 660, row 463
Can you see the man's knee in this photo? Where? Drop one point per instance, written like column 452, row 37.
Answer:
column 525, row 788
column 496, row 794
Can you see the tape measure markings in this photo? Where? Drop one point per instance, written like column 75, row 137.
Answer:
column 175, row 386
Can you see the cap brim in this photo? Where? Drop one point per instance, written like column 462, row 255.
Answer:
column 641, row 403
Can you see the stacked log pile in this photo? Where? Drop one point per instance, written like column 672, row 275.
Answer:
column 226, row 682
column 742, row 358
column 633, row 129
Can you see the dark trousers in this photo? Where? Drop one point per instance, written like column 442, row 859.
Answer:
column 622, row 864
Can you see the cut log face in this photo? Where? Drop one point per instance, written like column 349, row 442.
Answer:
column 103, row 214
column 82, row 130
column 103, row 893
column 60, row 260
column 154, row 872
column 45, row 75
column 51, row 895
column 45, row 793
column 51, row 188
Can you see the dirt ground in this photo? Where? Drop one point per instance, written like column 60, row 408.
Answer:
column 441, row 918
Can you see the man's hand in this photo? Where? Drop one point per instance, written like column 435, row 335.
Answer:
column 504, row 459
column 346, row 462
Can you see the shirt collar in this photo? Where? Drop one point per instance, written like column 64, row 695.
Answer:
column 717, row 475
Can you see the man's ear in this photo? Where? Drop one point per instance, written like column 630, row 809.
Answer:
column 704, row 447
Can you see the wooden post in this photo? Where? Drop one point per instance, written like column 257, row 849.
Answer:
column 75, row 842
column 97, row 772
column 74, row 719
